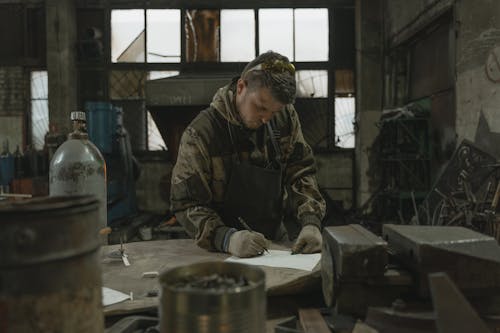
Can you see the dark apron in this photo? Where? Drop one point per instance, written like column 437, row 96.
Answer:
column 255, row 194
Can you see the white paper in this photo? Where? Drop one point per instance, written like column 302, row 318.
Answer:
column 284, row 259
column 111, row 296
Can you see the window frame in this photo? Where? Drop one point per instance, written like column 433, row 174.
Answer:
column 236, row 67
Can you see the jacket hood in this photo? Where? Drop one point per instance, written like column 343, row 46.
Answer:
column 224, row 102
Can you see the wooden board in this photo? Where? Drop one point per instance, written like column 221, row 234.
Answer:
column 166, row 254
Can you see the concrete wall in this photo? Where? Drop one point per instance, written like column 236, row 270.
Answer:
column 399, row 14
column 477, row 54
column 369, row 89
column 153, row 185
column 335, row 176
column 478, row 68
column 12, row 106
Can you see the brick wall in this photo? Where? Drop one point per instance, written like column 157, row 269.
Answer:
column 12, row 91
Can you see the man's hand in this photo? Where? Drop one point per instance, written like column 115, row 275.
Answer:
column 309, row 240
column 246, row 244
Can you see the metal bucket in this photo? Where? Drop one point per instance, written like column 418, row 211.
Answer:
column 242, row 310
column 50, row 275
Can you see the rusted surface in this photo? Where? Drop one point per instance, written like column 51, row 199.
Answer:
column 50, row 277
column 52, row 228
column 76, row 311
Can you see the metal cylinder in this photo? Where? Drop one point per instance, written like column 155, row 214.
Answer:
column 241, row 310
column 50, row 274
column 78, row 168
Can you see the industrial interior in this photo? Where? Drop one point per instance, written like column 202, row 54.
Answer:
column 398, row 100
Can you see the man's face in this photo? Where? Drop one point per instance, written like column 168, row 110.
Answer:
column 255, row 106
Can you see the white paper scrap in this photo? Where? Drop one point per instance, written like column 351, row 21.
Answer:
column 284, row 259
column 111, row 296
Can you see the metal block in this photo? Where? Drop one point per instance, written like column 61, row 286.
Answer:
column 471, row 259
column 356, row 252
column 184, row 90
column 351, row 255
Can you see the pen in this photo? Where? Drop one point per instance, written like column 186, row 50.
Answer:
column 247, row 227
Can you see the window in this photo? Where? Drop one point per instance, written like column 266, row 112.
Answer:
column 311, row 34
column 128, row 35
column 344, row 121
column 276, row 31
column 312, row 84
column 224, row 40
column 299, row 34
column 39, row 108
column 155, row 140
column 163, row 35
column 237, row 34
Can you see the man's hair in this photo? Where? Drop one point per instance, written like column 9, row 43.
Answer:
column 274, row 71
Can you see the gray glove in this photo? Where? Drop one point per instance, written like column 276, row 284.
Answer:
column 309, row 240
column 246, row 244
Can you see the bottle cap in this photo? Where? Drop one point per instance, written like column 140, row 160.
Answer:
column 78, row 115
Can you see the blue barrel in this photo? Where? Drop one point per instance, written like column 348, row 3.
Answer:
column 6, row 169
column 101, row 125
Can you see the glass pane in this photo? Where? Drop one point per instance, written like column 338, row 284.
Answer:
column 312, row 84
column 276, row 31
column 39, row 122
column 202, row 35
column 344, row 119
column 164, row 35
column 154, row 75
column 127, row 35
column 127, row 84
column 155, row 141
column 311, row 34
column 237, row 34
column 39, row 85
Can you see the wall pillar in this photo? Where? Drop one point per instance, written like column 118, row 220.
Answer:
column 369, row 90
column 61, row 62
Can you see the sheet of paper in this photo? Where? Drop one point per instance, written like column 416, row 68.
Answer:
column 111, row 296
column 277, row 258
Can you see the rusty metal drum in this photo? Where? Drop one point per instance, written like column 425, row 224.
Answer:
column 50, row 274
column 213, row 297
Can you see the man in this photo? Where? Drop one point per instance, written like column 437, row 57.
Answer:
column 243, row 163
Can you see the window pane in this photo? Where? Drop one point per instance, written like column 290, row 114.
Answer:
column 276, row 31
column 164, row 35
column 311, row 34
column 127, row 35
column 39, row 122
column 39, row 85
column 202, row 35
column 155, row 141
column 312, row 84
column 237, row 33
column 344, row 118
column 39, row 108
column 154, row 75
column 127, row 84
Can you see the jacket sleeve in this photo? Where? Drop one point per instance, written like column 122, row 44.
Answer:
column 304, row 197
column 191, row 196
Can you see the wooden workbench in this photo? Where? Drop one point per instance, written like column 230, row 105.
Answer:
column 166, row 254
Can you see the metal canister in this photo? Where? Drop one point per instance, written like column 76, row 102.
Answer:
column 184, row 310
column 78, row 168
column 50, row 274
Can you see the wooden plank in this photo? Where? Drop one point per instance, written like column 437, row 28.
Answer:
column 312, row 321
column 166, row 254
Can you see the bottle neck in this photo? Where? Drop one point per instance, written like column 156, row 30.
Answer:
column 79, row 130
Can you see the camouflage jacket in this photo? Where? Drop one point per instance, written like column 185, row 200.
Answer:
column 206, row 154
